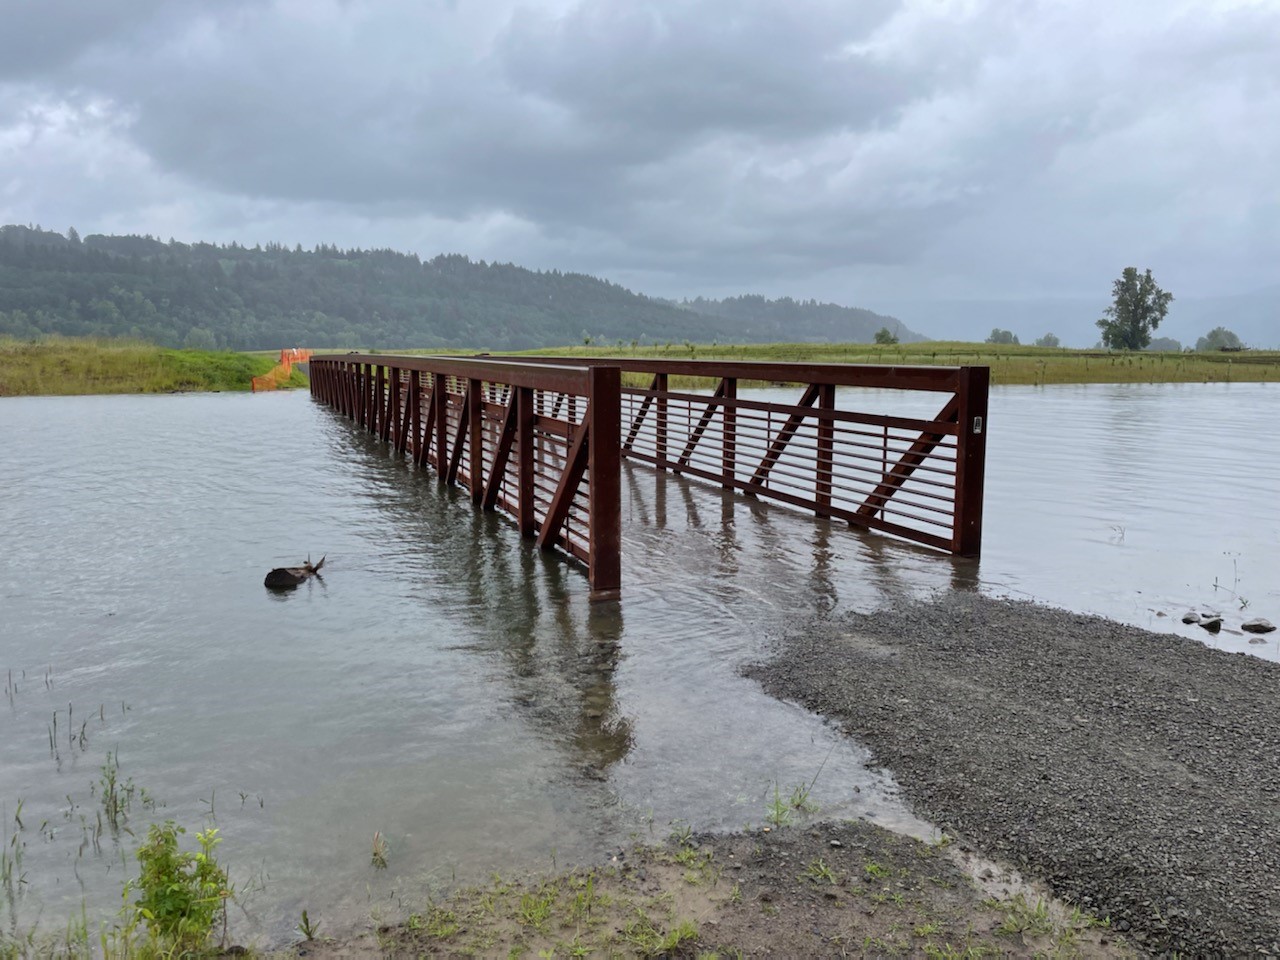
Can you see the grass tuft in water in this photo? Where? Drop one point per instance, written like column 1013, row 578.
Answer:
column 380, row 850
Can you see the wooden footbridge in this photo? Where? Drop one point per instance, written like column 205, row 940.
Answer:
column 542, row 439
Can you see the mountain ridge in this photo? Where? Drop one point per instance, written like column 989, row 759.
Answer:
column 230, row 296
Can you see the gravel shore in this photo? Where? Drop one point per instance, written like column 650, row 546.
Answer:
column 1137, row 773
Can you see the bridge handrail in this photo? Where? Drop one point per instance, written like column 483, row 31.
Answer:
column 556, row 377
column 938, row 379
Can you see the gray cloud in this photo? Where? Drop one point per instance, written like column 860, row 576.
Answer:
column 40, row 37
column 848, row 151
column 660, row 75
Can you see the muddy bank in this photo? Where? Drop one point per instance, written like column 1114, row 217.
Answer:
column 1137, row 773
column 818, row 890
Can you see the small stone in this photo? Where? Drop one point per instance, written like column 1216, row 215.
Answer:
column 1258, row 625
column 1191, row 618
column 836, row 843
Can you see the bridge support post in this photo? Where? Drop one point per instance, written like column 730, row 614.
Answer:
column 825, row 464
column 971, row 458
column 604, row 465
column 525, row 414
column 440, row 400
column 475, row 440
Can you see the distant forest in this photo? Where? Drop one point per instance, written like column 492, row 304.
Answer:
column 208, row 296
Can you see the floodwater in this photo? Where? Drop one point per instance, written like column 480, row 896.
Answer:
column 450, row 688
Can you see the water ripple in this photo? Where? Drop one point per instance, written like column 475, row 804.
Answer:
column 450, row 687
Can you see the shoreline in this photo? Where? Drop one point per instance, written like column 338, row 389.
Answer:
column 815, row 889
column 1101, row 790
column 1134, row 772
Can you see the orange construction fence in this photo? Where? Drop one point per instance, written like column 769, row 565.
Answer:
column 282, row 370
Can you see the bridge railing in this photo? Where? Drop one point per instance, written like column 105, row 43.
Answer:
column 865, row 461
column 541, row 438
column 538, row 441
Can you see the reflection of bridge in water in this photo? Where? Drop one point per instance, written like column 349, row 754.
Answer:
column 543, row 440
column 712, row 577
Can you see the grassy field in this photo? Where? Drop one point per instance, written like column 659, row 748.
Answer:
column 65, row 366
column 1009, row 364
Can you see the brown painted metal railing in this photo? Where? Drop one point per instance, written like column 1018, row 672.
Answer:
column 539, row 442
column 549, row 434
column 917, row 478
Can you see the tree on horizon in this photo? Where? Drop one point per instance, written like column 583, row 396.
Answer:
column 1138, row 305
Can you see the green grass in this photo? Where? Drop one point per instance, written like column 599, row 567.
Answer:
column 63, row 367
column 819, row 872
column 1009, row 364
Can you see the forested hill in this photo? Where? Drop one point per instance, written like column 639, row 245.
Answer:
column 205, row 295
column 785, row 320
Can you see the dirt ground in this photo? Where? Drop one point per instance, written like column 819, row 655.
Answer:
column 847, row 889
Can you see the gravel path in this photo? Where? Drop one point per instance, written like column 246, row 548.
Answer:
column 1137, row 773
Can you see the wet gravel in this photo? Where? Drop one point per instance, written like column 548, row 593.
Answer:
column 1138, row 774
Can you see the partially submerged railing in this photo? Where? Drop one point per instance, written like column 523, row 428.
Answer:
column 539, row 442
column 917, row 478
column 541, row 438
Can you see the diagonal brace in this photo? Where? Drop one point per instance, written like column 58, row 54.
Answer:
column 459, row 441
column 575, row 466
column 703, row 422
column 424, row 444
column 640, row 415
column 498, row 468
column 911, row 458
column 784, row 436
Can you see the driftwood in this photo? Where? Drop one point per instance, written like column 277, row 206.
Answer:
column 284, row 577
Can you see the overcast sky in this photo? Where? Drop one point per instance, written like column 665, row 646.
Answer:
column 857, row 151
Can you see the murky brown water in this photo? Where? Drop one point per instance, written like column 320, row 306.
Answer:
column 452, row 689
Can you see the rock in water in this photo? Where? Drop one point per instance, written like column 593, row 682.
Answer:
column 1212, row 623
column 1191, row 618
column 1258, row 625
